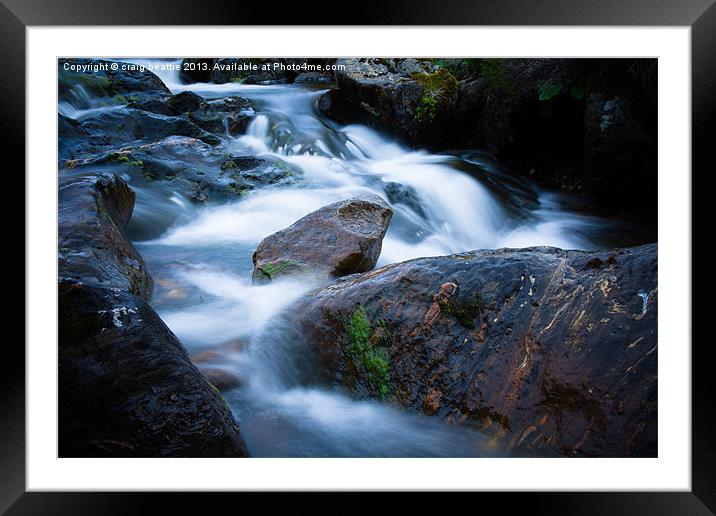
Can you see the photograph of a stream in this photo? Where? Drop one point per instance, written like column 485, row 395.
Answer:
column 368, row 257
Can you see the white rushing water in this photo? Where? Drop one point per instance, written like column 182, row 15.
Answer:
column 202, row 266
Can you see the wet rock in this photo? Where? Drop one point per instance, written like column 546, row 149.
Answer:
column 544, row 350
column 341, row 238
column 112, row 129
column 405, row 97
column 92, row 246
column 399, row 193
column 222, row 378
column 191, row 168
column 126, row 385
column 230, row 115
column 127, row 83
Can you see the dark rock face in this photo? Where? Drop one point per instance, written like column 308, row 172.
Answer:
column 126, row 384
column 341, row 238
column 551, row 350
column 196, row 70
column 407, row 98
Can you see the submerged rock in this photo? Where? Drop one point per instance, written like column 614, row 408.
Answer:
column 126, row 385
column 549, row 350
column 342, row 238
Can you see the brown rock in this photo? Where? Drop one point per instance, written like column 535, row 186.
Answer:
column 339, row 239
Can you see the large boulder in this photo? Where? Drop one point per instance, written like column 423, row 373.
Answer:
column 342, row 238
column 549, row 350
column 116, row 128
column 82, row 80
column 406, row 97
column 126, row 384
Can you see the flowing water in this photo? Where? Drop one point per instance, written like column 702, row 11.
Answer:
column 443, row 203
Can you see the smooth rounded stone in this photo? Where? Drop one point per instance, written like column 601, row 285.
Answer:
column 222, row 378
column 342, row 238
column 548, row 350
column 126, row 385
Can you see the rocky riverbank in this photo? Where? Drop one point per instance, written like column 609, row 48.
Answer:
column 574, row 124
column 545, row 351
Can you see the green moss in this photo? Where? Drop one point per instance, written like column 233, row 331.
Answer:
column 366, row 347
column 235, row 189
column 121, row 99
column 438, row 87
column 218, row 393
column 118, row 158
column 229, row 163
column 465, row 311
column 93, row 81
column 272, row 269
column 493, row 71
column 549, row 90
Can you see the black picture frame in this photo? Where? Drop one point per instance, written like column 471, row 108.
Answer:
column 700, row 15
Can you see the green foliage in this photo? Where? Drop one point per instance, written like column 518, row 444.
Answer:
column 577, row 92
column 121, row 99
column 493, row 71
column 437, row 88
column 549, row 90
column 425, row 112
column 118, row 158
column 366, row 347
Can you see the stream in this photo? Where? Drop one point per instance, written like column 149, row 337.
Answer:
column 443, row 204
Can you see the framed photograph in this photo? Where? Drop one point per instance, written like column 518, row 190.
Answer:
column 419, row 250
